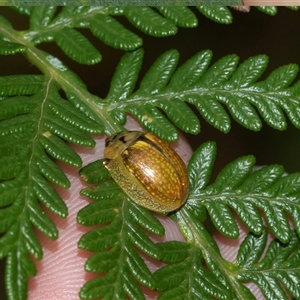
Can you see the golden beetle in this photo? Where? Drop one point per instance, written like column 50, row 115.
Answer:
column 147, row 169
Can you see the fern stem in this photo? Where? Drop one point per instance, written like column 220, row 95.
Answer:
column 52, row 67
column 197, row 235
column 70, row 83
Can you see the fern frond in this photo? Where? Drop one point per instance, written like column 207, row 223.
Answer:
column 276, row 271
column 178, row 280
column 115, row 243
column 49, row 24
column 62, row 29
column 32, row 135
column 246, row 192
column 225, row 83
column 279, row 266
column 161, row 99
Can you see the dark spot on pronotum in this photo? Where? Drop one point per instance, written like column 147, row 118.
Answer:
column 123, row 139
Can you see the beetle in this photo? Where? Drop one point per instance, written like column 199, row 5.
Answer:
column 147, row 169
